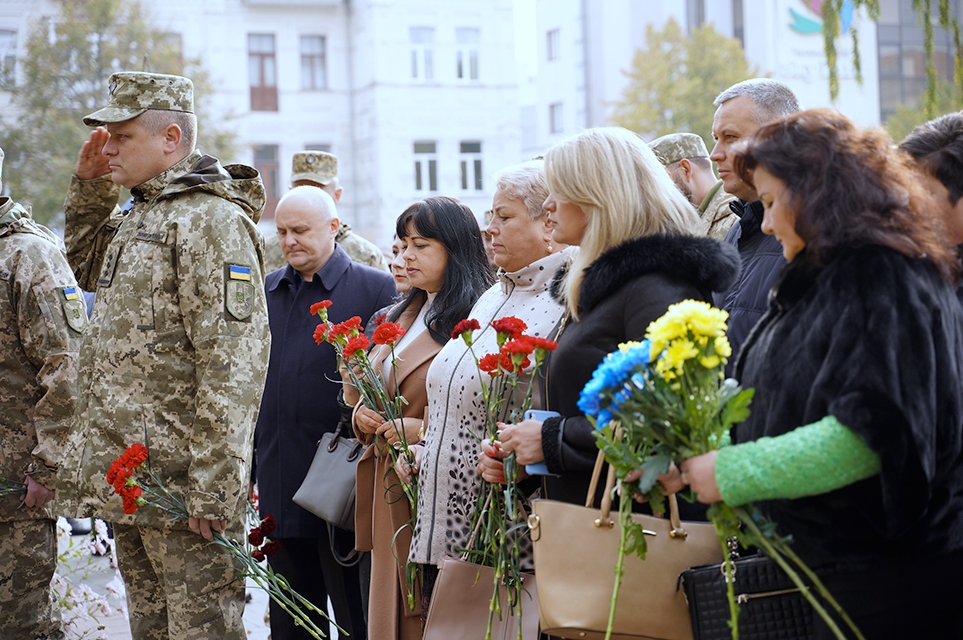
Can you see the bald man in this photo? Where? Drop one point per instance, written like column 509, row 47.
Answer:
column 300, row 401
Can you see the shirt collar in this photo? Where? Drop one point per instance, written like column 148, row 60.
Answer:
column 328, row 274
column 152, row 188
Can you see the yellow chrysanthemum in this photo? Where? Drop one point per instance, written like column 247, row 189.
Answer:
column 678, row 352
column 625, row 346
column 710, row 362
column 722, row 347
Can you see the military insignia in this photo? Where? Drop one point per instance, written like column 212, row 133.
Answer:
column 110, row 265
column 238, row 291
column 310, row 159
column 75, row 309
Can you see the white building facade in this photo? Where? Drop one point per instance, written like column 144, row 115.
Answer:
column 584, row 47
column 416, row 97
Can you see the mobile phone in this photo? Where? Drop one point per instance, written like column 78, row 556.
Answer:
column 539, row 468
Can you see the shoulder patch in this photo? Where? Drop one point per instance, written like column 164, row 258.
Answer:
column 239, row 292
column 75, row 309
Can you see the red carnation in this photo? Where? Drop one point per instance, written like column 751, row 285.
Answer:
column 353, row 323
column 138, row 455
column 318, row 306
column 356, row 344
column 520, row 346
column 268, row 525
column 544, row 343
column 509, row 326
column 388, row 333
column 380, row 319
column 466, row 325
column 320, row 333
column 489, row 364
column 506, row 362
column 258, row 555
column 256, row 537
column 271, row 548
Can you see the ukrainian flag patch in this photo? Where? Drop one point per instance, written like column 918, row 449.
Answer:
column 71, row 293
column 237, row 272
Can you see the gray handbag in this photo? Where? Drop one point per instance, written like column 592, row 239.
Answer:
column 328, row 489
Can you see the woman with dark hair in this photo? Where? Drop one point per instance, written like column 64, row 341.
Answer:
column 447, row 270
column 855, row 438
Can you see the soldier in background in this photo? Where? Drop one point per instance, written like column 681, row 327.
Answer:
column 685, row 157
column 176, row 353
column 320, row 169
column 42, row 320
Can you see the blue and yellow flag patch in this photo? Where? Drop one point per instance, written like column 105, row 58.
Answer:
column 237, row 272
column 71, row 293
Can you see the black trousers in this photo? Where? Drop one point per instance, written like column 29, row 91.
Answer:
column 901, row 598
column 312, row 571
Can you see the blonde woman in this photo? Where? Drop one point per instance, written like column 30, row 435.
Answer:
column 610, row 196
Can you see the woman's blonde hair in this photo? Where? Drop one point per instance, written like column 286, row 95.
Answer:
column 625, row 192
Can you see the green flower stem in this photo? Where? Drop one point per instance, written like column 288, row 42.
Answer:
column 778, row 550
column 625, row 514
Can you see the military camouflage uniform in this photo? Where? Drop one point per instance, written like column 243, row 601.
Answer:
column 175, row 357
column 42, row 318
column 715, row 213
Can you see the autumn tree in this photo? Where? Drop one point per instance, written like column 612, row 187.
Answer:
column 675, row 78
column 948, row 98
column 63, row 77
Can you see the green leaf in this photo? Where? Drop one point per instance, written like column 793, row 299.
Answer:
column 651, row 468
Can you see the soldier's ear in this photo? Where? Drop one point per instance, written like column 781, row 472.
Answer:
column 172, row 138
column 685, row 167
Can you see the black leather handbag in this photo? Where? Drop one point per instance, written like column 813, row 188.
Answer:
column 771, row 607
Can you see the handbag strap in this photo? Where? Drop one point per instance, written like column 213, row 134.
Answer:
column 676, row 530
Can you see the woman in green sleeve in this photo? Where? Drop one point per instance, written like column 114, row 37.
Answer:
column 855, row 441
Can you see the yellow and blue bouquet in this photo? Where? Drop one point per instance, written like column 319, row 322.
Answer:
column 666, row 399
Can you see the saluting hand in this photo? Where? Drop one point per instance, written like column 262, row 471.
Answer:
column 91, row 161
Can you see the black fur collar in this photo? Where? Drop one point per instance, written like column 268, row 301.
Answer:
column 708, row 264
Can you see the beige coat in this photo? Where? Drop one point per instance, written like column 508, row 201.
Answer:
column 382, row 508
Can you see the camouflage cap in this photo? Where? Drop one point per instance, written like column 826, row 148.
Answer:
column 132, row 93
column 317, row 166
column 676, row 146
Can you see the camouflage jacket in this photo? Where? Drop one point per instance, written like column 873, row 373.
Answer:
column 357, row 248
column 42, row 318
column 361, row 250
column 715, row 213
column 177, row 349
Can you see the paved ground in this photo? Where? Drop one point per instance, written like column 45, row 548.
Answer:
column 96, row 573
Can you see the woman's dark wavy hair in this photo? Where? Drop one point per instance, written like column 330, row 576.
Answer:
column 467, row 274
column 851, row 187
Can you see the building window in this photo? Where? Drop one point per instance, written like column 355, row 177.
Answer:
column 555, row 117
column 902, row 61
column 471, row 166
column 266, row 163
column 695, row 13
column 467, row 54
column 263, row 70
column 312, row 63
column 426, row 167
column 552, row 44
column 422, row 53
column 8, row 56
column 738, row 22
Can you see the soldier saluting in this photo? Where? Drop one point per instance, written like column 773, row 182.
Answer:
column 176, row 352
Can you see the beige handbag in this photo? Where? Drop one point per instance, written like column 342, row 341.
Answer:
column 576, row 549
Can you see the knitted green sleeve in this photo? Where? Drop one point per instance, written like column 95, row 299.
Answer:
column 807, row 461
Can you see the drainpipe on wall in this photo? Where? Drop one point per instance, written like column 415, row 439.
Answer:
column 349, row 32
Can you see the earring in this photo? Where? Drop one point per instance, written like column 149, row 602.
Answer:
column 550, row 246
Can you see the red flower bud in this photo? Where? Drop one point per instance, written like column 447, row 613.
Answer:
column 388, row 333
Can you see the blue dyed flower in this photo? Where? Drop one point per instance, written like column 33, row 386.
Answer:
column 605, row 389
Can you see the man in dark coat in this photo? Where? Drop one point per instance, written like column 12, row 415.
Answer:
column 300, row 401
column 742, row 110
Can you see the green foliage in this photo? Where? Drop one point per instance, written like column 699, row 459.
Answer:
column 63, row 77
column 830, row 13
column 673, row 81
column 949, row 98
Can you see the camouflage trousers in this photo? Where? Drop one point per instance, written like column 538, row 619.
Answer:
column 28, row 558
column 179, row 587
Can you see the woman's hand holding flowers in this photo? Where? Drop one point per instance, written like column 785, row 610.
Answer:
column 407, row 471
column 700, row 474
column 525, row 439
column 671, row 481
column 391, row 431
column 367, row 420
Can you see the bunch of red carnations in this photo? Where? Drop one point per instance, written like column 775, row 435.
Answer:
column 149, row 491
